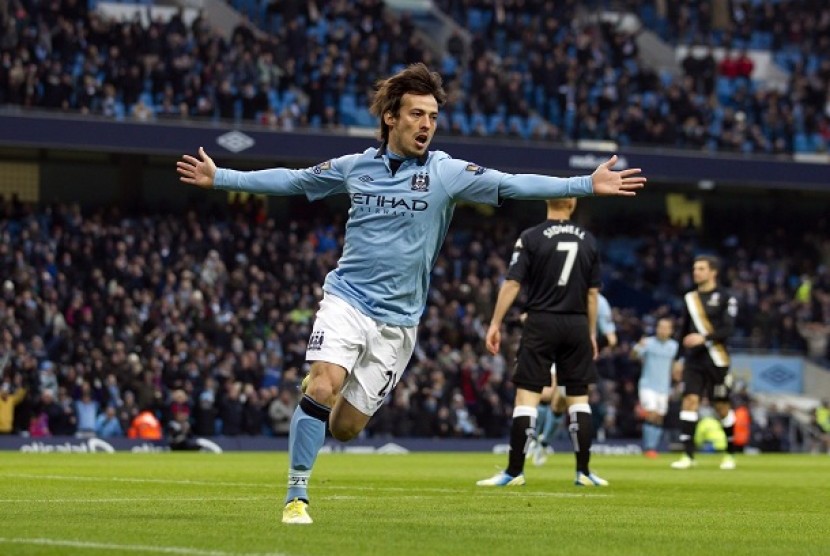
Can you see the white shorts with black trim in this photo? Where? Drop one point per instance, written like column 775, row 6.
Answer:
column 374, row 354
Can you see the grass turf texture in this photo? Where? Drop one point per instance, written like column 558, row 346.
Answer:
column 424, row 504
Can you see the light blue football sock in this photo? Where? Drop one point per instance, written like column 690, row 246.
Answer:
column 647, row 437
column 542, row 413
column 657, row 435
column 651, row 436
column 305, row 438
column 551, row 424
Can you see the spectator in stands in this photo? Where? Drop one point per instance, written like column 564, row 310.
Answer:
column 107, row 424
column 60, row 415
column 145, row 426
column 280, row 411
column 9, row 399
column 702, row 69
column 86, row 410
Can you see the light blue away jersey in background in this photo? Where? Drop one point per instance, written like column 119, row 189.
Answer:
column 658, row 358
column 605, row 318
column 397, row 222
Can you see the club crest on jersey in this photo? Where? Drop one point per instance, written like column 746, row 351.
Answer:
column 420, row 182
column 476, row 169
column 322, row 167
column 315, row 342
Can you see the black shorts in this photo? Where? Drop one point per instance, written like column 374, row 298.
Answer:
column 703, row 378
column 555, row 338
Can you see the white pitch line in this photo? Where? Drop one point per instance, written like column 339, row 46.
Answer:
column 131, row 480
column 129, row 547
column 131, row 500
column 188, row 482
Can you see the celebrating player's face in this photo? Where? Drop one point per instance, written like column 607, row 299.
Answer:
column 411, row 131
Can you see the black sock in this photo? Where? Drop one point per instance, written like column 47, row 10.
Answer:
column 315, row 409
column 582, row 430
column 522, row 431
column 688, row 424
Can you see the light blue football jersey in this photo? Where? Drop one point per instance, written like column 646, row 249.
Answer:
column 397, row 221
column 658, row 358
column 605, row 317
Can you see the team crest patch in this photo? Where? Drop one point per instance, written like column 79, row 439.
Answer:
column 320, row 168
column 420, row 182
column 476, row 169
column 315, row 342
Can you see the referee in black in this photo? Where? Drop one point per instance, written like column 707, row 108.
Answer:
column 557, row 262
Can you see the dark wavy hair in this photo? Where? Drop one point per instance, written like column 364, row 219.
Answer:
column 711, row 260
column 415, row 79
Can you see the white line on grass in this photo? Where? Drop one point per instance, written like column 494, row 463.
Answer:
column 131, row 500
column 131, row 480
column 129, row 547
column 187, row 482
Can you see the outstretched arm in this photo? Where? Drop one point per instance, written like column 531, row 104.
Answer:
column 197, row 171
column 327, row 178
column 507, row 295
column 609, row 182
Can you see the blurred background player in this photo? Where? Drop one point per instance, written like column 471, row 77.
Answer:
column 552, row 406
column 709, row 321
column 657, row 354
column 558, row 262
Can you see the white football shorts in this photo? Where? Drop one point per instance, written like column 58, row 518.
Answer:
column 373, row 353
column 654, row 401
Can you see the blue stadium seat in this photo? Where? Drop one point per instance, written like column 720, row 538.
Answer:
column 519, row 125
column 478, row 120
column 477, row 20
column 460, row 119
column 348, row 109
column 364, row 118
column 449, row 65
column 801, row 143
column 724, row 87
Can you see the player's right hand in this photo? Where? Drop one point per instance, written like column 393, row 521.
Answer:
column 197, row 172
column 493, row 340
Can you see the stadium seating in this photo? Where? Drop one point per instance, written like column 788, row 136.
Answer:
column 595, row 72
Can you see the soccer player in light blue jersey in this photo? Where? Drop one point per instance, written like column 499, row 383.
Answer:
column 657, row 354
column 402, row 200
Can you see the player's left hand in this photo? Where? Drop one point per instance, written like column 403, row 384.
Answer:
column 609, row 182
column 595, row 346
column 493, row 340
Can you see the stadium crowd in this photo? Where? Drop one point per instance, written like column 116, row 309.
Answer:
column 204, row 316
column 528, row 71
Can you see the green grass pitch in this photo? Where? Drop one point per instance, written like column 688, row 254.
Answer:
column 416, row 504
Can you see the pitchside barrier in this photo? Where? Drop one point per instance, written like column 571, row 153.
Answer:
column 397, row 446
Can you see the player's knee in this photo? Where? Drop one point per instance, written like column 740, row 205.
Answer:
column 322, row 391
column 344, row 432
